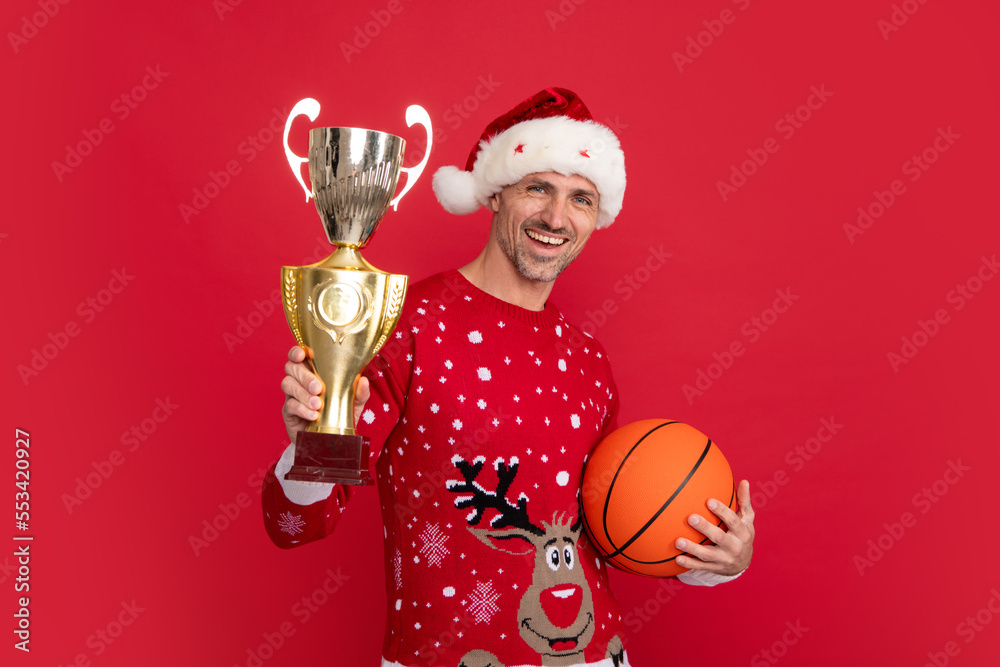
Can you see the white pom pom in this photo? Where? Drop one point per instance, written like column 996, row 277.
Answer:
column 456, row 190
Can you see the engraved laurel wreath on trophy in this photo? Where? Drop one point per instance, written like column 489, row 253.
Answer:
column 343, row 309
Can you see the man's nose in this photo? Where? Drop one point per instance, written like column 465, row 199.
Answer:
column 554, row 214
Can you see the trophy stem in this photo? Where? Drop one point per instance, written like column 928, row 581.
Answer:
column 346, row 257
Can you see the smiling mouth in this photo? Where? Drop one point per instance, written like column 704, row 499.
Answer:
column 561, row 644
column 543, row 238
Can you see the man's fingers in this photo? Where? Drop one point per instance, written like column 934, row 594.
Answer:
column 362, row 391
column 294, row 408
column 731, row 518
column 300, row 402
column 305, row 377
column 297, row 354
column 700, row 551
column 743, row 497
column 707, row 528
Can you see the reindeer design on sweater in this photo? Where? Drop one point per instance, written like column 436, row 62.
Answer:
column 556, row 613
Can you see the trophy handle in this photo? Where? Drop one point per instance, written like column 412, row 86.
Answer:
column 307, row 107
column 414, row 114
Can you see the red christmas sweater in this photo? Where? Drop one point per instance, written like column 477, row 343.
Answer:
column 480, row 418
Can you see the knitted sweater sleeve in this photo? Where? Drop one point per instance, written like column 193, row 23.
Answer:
column 299, row 512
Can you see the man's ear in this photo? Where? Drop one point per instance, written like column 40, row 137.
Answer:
column 495, row 202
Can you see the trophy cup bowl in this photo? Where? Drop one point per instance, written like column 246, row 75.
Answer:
column 343, row 309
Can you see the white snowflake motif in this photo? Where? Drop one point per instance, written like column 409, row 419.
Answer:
column 368, row 416
column 397, row 569
column 475, row 337
column 457, row 424
column 481, row 403
column 291, row 524
column 575, row 421
column 434, row 549
column 483, row 602
column 448, row 364
column 483, row 373
column 562, row 364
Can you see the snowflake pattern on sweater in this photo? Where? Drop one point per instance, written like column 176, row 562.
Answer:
column 481, row 416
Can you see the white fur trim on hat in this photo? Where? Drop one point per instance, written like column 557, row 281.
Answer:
column 557, row 143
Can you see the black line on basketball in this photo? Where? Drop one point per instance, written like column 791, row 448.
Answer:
column 607, row 499
column 702, row 542
column 649, row 523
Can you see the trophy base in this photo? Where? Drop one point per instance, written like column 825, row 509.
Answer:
column 330, row 458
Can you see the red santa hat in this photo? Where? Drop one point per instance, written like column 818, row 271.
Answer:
column 550, row 131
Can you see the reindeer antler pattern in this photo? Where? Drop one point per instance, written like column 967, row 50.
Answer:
column 509, row 515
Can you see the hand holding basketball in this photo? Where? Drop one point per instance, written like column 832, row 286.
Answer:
column 732, row 547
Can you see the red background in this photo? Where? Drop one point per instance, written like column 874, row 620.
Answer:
column 167, row 334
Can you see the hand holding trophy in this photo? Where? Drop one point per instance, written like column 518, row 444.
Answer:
column 343, row 309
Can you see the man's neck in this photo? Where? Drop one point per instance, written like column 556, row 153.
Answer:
column 494, row 274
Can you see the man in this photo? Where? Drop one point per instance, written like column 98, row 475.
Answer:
column 481, row 413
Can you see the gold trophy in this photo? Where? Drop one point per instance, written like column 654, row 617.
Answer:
column 342, row 309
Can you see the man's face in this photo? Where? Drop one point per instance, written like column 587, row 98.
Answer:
column 543, row 221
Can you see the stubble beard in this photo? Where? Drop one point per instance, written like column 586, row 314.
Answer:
column 530, row 266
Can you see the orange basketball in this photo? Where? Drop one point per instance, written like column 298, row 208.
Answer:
column 640, row 485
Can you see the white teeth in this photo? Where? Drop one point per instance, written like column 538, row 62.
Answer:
column 544, row 239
